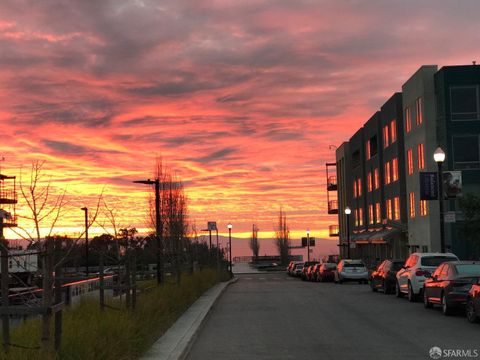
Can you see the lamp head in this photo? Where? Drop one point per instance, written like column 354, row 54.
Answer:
column 230, row 226
column 439, row 155
column 348, row 211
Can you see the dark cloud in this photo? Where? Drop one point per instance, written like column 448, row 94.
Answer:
column 215, row 156
column 67, row 148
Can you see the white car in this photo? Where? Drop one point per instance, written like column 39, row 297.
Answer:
column 350, row 270
column 411, row 277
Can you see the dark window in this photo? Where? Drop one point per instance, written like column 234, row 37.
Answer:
column 464, row 103
column 435, row 260
column 356, row 158
column 373, row 146
column 470, row 269
column 466, row 152
column 349, row 265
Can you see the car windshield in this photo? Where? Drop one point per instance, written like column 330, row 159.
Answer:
column 330, row 266
column 434, row 261
column 470, row 269
column 299, row 266
column 353, row 265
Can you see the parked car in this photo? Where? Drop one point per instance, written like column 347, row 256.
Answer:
column 297, row 271
column 472, row 307
column 306, row 265
column 351, row 270
column 411, row 277
column 326, row 272
column 291, row 267
column 449, row 284
column 384, row 276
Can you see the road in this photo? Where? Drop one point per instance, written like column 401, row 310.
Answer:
column 273, row 316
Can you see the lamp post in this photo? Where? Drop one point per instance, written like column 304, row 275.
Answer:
column 85, row 209
column 158, row 224
column 308, row 244
column 348, row 212
column 230, row 226
column 439, row 157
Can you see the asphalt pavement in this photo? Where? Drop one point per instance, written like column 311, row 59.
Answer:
column 273, row 316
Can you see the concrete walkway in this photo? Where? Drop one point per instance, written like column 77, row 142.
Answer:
column 176, row 342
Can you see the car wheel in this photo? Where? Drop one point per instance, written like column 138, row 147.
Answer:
column 398, row 292
column 411, row 295
column 470, row 311
column 372, row 286
column 446, row 310
column 385, row 287
column 427, row 304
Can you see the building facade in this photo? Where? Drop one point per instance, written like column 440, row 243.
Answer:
column 379, row 168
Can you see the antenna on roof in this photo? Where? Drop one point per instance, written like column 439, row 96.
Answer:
column 474, row 62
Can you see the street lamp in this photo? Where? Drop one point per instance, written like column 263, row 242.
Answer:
column 439, row 157
column 348, row 212
column 158, row 223
column 230, row 226
column 308, row 244
column 85, row 209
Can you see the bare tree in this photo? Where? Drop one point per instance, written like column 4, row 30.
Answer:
column 254, row 243
column 283, row 237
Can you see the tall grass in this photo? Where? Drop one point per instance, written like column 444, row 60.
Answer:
column 89, row 333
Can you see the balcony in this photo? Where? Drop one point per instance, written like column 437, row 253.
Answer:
column 333, row 206
column 333, row 230
column 332, row 183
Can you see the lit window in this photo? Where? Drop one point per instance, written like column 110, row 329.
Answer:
column 423, row 208
column 355, row 188
column 369, row 182
column 385, row 136
column 393, row 131
column 419, row 111
column 360, row 217
column 396, row 208
column 421, row 157
column 387, row 172
column 367, row 150
column 394, row 169
column 389, row 209
column 377, row 179
column 412, row 204
column 408, row 119
column 377, row 213
column 357, row 222
column 370, row 214
column 359, row 184
column 410, row 161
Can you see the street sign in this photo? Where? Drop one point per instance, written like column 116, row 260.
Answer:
column 305, row 239
column 212, row 225
column 428, row 186
column 449, row 217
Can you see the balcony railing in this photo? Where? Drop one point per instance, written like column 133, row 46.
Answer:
column 8, row 196
column 333, row 207
column 333, row 230
column 332, row 183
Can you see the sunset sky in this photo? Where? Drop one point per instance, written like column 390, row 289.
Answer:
column 241, row 98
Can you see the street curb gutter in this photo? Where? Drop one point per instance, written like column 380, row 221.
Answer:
column 177, row 341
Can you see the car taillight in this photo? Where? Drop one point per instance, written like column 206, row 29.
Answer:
column 420, row 272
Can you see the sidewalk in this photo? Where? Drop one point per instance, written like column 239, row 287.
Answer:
column 176, row 342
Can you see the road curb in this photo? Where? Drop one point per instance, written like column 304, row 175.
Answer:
column 176, row 343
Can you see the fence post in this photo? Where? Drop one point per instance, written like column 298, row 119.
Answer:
column 5, row 289
column 47, row 291
column 58, row 291
column 101, row 282
column 134, row 280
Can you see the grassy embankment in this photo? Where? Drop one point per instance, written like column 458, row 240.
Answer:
column 89, row 333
